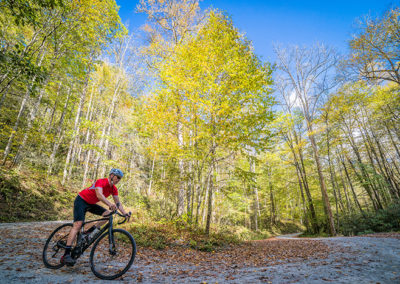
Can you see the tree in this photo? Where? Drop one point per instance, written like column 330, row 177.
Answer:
column 169, row 24
column 376, row 49
column 61, row 39
column 220, row 86
column 309, row 73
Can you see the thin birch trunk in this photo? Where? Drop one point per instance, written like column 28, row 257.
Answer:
column 351, row 185
column 306, row 223
column 256, row 205
column 72, row 144
column 210, row 190
column 148, row 192
column 32, row 117
column 21, row 110
column 50, row 121
column 327, row 207
column 59, row 134
column 272, row 198
column 181, row 192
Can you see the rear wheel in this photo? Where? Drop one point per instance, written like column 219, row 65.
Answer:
column 55, row 246
column 110, row 262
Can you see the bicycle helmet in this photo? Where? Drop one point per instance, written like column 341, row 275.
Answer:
column 117, row 172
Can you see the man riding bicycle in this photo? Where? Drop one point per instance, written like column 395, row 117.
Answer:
column 86, row 201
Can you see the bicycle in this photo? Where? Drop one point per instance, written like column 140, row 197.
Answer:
column 112, row 254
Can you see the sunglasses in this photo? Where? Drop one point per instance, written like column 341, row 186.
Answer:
column 118, row 177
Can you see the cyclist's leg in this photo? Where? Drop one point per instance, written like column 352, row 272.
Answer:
column 74, row 231
column 80, row 207
column 79, row 216
column 97, row 210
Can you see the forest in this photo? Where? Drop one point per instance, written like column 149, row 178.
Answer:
column 210, row 137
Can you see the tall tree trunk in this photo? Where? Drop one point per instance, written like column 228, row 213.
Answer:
column 305, row 210
column 205, row 200
column 75, row 134
column 3, row 97
column 148, row 192
column 272, row 199
column 189, row 191
column 327, row 206
column 348, row 204
column 299, row 163
column 110, row 117
column 203, row 187
column 210, row 188
column 393, row 142
column 303, row 175
column 369, row 145
column 336, row 190
column 210, row 202
column 351, row 185
column 89, row 135
column 394, row 187
column 21, row 110
column 59, row 134
column 256, row 204
column 31, row 119
column 363, row 177
column 181, row 192
column 50, row 121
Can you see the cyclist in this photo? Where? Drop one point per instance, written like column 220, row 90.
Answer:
column 86, row 201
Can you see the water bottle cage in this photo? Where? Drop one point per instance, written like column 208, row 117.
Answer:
column 93, row 234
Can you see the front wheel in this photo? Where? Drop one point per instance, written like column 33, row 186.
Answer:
column 55, row 246
column 110, row 261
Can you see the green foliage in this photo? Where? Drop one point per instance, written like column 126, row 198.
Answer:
column 26, row 197
column 384, row 220
column 27, row 12
column 375, row 49
column 165, row 233
column 155, row 236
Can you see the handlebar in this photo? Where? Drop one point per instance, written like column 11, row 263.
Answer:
column 126, row 217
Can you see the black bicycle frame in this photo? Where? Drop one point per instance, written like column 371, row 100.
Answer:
column 84, row 246
column 80, row 248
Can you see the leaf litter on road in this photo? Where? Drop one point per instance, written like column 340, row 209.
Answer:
column 26, row 243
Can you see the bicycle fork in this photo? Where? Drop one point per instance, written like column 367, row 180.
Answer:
column 111, row 238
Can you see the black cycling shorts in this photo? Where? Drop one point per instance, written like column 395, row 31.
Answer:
column 81, row 206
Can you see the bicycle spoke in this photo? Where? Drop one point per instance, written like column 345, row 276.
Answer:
column 110, row 263
column 54, row 247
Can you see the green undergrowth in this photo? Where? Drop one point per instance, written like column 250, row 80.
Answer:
column 383, row 220
column 160, row 235
column 31, row 196
column 367, row 222
column 286, row 227
column 311, row 235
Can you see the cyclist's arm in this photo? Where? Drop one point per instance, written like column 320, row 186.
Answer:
column 102, row 198
column 119, row 205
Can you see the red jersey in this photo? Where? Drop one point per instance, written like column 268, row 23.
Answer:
column 89, row 194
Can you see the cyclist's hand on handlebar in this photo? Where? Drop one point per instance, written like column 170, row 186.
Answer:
column 113, row 207
column 128, row 215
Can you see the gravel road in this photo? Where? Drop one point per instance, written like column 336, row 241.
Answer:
column 349, row 260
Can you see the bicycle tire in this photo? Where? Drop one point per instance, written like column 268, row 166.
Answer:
column 60, row 234
column 103, row 264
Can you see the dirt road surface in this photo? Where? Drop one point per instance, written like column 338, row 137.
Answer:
column 371, row 259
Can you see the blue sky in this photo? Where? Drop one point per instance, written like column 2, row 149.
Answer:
column 285, row 21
